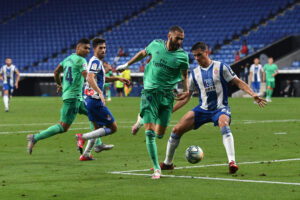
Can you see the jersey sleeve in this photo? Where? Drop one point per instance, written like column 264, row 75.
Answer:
column 276, row 67
column 84, row 66
column 150, row 47
column 93, row 66
column 62, row 63
column 185, row 64
column 192, row 86
column 1, row 70
column 252, row 68
column 228, row 74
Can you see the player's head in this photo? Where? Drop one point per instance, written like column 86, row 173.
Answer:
column 175, row 37
column 270, row 60
column 99, row 47
column 83, row 47
column 256, row 61
column 8, row 61
column 201, row 53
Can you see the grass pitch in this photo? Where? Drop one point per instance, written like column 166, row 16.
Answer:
column 54, row 172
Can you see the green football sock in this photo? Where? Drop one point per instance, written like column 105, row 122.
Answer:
column 52, row 130
column 152, row 149
column 268, row 93
column 271, row 92
column 108, row 93
column 98, row 141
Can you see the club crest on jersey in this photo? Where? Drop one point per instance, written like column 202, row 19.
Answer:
column 216, row 71
column 157, row 52
column 108, row 117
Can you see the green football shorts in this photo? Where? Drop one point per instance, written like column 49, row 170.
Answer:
column 270, row 83
column 106, row 85
column 156, row 106
column 70, row 109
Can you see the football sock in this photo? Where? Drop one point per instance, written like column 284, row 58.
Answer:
column 98, row 142
column 108, row 93
column 171, row 148
column 52, row 130
column 96, row 133
column 89, row 147
column 5, row 100
column 152, row 149
column 268, row 93
column 271, row 92
column 228, row 143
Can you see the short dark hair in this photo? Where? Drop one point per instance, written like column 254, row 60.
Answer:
column 98, row 41
column 199, row 45
column 176, row 28
column 83, row 41
column 8, row 58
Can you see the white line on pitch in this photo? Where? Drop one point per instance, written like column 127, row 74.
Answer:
column 214, row 165
column 217, row 179
column 131, row 122
column 280, row 133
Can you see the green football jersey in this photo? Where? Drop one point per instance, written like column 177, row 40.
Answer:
column 164, row 69
column 269, row 70
column 73, row 80
column 109, row 73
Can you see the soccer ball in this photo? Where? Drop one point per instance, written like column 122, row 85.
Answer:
column 194, row 154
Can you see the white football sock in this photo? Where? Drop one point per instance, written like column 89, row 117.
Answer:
column 173, row 143
column 5, row 100
column 89, row 147
column 96, row 133
column 139, row 122
column 229, row 146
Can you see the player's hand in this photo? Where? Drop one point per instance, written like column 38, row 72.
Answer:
column 124, row 80
column 181, row 96
column 261, row 102
column 102, row 99
column 121, row 68
column 59, row 88
column 16, row 85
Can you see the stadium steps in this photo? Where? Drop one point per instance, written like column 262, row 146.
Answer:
column 6, row 18
column 100, row 33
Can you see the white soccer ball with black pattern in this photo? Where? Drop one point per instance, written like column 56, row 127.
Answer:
column 194, row 154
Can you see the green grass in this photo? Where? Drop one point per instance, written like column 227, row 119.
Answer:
column 54, row 172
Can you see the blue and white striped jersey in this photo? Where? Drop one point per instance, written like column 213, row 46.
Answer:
column 211, row 82
column 257, row 71
column 8, row 73
column 95, row 66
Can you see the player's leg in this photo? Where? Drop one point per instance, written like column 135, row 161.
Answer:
column 272, row 86
column 223, row 122
column 68, row 111
column 108, row 94
column 139, row 123
column 5, row 97
column 149, row 112
column 184, row 125
column 268, row 96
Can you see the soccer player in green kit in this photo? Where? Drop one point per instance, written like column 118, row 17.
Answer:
column 109, row 73
column 74, row 73
column 271, row 70
column 167, row 67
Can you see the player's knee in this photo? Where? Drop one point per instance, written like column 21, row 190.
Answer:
column 177, row 130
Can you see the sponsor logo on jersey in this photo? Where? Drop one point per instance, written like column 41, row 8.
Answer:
column 89, row 92
column 108, row 117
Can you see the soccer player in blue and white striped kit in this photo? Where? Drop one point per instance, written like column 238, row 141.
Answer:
column 10, row 76
column 210, row 79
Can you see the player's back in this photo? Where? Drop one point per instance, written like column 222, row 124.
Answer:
column 164, row 69
column 73, row 80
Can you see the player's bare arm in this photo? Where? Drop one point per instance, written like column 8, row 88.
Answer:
column 92, row 82
column 1, row 77
column 185, row 83
column 139, row 56
column 18, row 79
column 243, row 86
column 182, row 102
column 114, row 78
column 59, row 69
